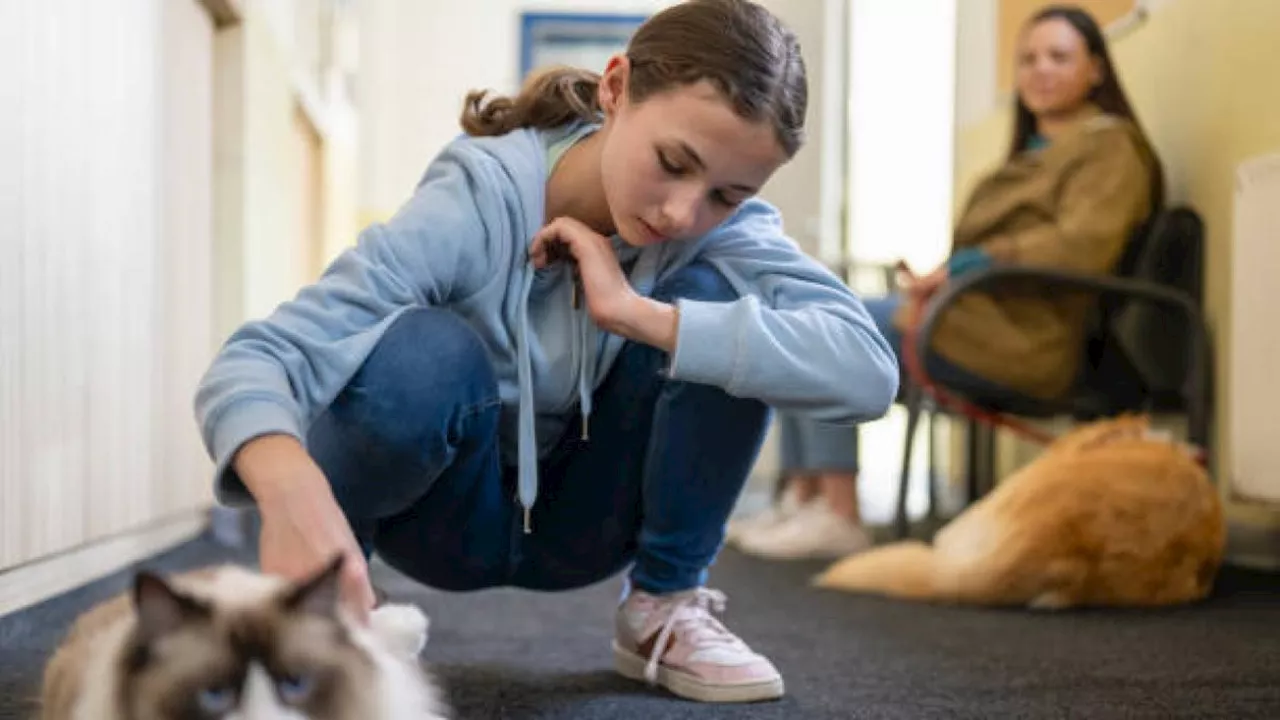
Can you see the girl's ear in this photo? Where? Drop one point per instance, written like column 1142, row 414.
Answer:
column 613, row 85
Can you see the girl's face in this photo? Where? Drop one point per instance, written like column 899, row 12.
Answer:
column 676, row 165
column 1055, row 71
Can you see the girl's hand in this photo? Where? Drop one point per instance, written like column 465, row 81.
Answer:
column 302, row 525
column 608, row 294
column 303, row 532
column 611, row 301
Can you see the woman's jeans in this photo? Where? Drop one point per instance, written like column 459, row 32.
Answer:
column 808, row 446
column 411, row 449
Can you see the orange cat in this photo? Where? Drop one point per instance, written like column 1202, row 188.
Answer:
column 1106, row 516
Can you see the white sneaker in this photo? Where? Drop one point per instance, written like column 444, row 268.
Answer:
column 677, row 642
column 786, row 506
column 815, row 532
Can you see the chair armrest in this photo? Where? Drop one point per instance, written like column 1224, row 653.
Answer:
column 1196, row 385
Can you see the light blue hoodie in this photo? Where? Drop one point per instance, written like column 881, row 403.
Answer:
column 798, row 339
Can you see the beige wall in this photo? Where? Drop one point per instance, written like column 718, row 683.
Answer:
column 287, row 192
column 1202, row 75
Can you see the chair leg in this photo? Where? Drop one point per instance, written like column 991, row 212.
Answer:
column 931, row 450
column 989, row 461
column 779, row 486
column 914, row 398
column 972, row 462
column 1199, row 391
column 982, row 464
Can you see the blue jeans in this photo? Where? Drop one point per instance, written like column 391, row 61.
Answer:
column 410, row 448
column 809, row 446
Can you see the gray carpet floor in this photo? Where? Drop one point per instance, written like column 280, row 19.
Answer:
column 507, row 654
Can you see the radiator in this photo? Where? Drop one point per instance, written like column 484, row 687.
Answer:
column 1254, row 388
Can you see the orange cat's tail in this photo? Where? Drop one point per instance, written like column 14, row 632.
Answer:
column 902, row 570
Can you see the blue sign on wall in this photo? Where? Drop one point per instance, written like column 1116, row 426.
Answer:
column 576, row 39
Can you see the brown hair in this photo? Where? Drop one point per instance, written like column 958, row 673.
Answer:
column 737, row 45
column 1108, row 95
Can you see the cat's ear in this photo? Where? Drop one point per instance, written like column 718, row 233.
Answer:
column 161, row 609
column 321, row 593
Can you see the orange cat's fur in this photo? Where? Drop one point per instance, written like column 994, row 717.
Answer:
column 1106, row 516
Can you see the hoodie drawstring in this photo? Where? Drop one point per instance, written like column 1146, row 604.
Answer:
column 527, row 442
column 585, row 350
column 586, row 366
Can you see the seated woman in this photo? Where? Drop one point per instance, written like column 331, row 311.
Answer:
column 1079, row 178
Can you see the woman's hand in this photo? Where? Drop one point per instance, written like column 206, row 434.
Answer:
column 611, row 301
column 302, row 526
column 918, row 287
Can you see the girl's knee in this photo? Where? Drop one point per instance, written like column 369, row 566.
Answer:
column 431, row 339
column 428, row 368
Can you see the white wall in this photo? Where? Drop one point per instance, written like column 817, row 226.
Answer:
column 270, row 108
column 105, row 150
column 902, row 56
column 183, row 254
column 809, row 190
column 276, row 261
column 977, row 26
column 901, row 110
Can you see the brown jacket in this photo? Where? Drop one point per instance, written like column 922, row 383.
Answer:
column 1072, row 205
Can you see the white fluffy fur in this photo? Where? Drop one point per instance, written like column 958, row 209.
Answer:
column 393, row 639
column 396, row 635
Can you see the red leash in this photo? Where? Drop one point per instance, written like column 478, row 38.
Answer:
column 912, row 359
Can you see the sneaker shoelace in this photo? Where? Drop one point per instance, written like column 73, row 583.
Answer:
column 693, row 613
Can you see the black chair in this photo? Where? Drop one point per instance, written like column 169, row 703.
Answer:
column 1146, row 349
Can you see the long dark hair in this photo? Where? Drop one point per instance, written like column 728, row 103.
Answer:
column 1108, row 95
column 737, row 45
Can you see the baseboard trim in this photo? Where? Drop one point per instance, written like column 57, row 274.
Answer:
column 30, row 584
column 1253, row 546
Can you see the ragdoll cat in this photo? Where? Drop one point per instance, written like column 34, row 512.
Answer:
column 1106, row 516
column 230, row 644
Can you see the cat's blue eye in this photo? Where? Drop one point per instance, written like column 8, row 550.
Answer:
column 295, row 688
column 216, row 700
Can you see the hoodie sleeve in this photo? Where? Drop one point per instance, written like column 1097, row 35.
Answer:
column 797, row 338
column 275, row 374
